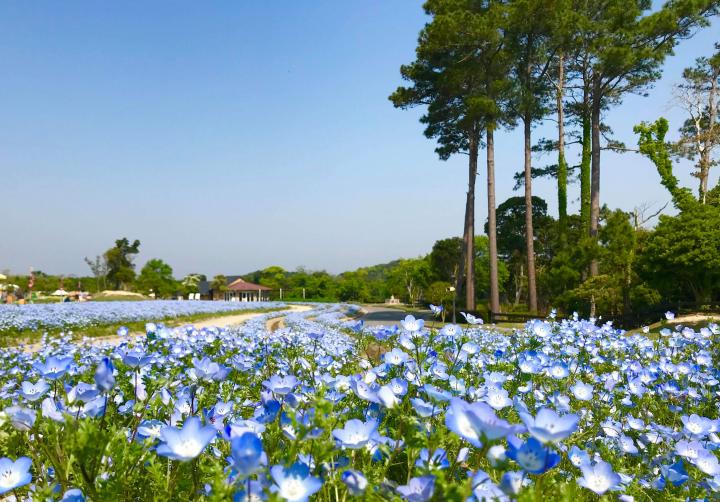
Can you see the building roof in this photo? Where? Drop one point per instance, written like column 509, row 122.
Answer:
column 204, row 286
column 241, row 285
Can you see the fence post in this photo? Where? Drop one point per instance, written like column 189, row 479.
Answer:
column 280, row 294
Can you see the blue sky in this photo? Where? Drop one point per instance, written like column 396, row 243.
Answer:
column 230, row 136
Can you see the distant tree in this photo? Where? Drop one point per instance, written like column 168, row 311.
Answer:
column 447, row 78
column 411, row 277
column 352, row 286
column 483, row 279
column 219, row 284
column 438, row 293
column 99, row 268
column 511, row 230
column 121, row 270
column 685, row 250
column 698, row 95
column 626, row 43
column 156, row 277
column 445, row 258
column 191, row 282
column 653, row 145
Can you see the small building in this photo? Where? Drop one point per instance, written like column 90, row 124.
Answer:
column 238, row 290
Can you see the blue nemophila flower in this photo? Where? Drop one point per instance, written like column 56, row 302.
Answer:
column 425, row 409
column 356, row 433
column 696, row 425
column 578, row 457
column 598, row 478
column 387, row 397
column 14, row 474
column 484, row 489
column 498, row 398
column 246, row 452
column 205, row 368
column 105, row 375
column 548, row 427
column 451, row 331
column 123, row 331
column 675, row 473
column 471, row 319
column 53, row 367
column 34, row 391
column 707, row 462
column 582, row 391
column 150, row 429
column 418, row 489
column 84, row 392
column 531, row 455
column 474, row 421
column 669, row 315
column 437, row 460
column 511, row 482
column 73, row 495
column 21, row 418
column 355, row 481
column 411, row 324
column 51, row 410
column 281, row 385
column 294, row 484
column 436, row 309
column 396, row 357
column 186, row 443
column 136, row 358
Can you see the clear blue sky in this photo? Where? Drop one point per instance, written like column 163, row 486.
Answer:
column 230, row 136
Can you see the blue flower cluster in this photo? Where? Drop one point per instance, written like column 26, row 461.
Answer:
column 326, row 408
column 79, row 315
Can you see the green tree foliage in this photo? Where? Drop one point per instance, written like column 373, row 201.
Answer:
column 156, row 276
column 445, row 259
column 191, row 282
column 120, row 267
column 653, row 145
column 219, row 285
column 627, row 43
column 409, row 278
column 457, row 75
column 482, row 269
column 682, row 255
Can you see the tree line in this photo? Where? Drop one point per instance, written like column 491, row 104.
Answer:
column 484, row 67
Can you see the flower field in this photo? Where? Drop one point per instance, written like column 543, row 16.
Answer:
column 326, row 409
column 79, row 315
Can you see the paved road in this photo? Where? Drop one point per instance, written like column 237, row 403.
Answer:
column 378, row 315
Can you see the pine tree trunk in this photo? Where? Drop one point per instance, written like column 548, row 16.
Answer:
column 492, row 224
column 585, row 164
column 529, row 233
column 595, row 174
column 562, row 165
column 469, row 235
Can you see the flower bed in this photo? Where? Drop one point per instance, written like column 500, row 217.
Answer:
column 327, row 410
column 85, row 314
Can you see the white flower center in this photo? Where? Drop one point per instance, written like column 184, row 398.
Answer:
column 188, row 448
column 293, row 489
column 599, row 483
column 9, row 478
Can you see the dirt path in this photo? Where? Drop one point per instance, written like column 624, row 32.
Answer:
column 220, row 322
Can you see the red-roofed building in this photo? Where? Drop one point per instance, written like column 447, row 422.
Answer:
column 238, row 290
